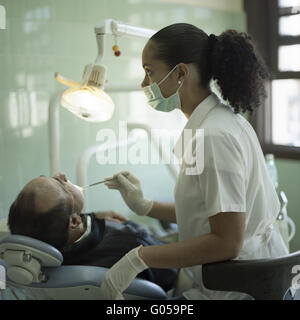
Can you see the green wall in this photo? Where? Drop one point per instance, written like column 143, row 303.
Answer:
column 44, row 36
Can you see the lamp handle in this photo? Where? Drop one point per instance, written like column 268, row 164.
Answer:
column 65, row 81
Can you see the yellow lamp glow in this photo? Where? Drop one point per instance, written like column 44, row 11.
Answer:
column 88, row 103
column 87, row 100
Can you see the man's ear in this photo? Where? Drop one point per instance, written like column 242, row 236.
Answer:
column 74, row 221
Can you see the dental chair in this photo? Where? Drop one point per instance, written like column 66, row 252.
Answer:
column 34, row 267
column 262, row 279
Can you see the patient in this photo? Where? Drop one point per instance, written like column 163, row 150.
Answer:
column 49, row 209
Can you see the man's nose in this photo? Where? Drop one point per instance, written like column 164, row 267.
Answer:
column 63, row 176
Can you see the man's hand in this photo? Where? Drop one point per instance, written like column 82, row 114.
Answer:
column 111, row 216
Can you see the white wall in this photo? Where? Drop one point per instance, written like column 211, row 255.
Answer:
column 228, row 5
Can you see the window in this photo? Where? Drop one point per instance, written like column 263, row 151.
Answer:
column 286, row 112
column 275, row 27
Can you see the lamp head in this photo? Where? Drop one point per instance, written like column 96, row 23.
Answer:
column 87, row 100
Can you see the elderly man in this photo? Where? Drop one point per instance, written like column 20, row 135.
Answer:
column 49, row 209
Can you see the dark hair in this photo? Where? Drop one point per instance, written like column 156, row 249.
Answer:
column 50, row 227
column 231, row 59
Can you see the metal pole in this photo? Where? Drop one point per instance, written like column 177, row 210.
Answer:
column 53, row 127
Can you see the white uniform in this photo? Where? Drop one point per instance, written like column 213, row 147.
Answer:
column 234, row 179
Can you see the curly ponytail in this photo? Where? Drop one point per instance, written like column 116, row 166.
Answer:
column 230, row 59
column 238, row 70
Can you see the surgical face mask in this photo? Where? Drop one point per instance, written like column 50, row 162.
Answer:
column 157, row 101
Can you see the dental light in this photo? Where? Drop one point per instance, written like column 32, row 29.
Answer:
column 87, row 99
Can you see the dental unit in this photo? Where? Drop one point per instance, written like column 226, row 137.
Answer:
column 87, row 99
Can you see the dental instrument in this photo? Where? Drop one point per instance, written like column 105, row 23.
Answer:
column 93, row 184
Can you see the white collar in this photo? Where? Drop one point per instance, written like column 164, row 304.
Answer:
column 87, row 231
column 201, row 111
column 197, row 117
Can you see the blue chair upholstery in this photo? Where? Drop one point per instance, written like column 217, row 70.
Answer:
column 55, row 281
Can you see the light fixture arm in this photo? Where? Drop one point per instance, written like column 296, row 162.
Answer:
column 113, row 27
column 108, row 26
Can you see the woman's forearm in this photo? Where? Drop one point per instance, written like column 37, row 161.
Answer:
column 163, row 211
column 204, row 249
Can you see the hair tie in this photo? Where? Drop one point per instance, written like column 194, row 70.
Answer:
column 212, row 39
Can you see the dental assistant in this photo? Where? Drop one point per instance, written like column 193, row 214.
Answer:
column 229, row 209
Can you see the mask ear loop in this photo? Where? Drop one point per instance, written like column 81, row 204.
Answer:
column 161, row 81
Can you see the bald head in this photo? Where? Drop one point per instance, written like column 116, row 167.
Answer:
column 46, row 193
column 44, row 208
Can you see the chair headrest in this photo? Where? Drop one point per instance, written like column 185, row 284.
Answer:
column 24, row 257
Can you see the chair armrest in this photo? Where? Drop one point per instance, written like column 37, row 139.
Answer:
column 73, row 276
column 260, row 278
